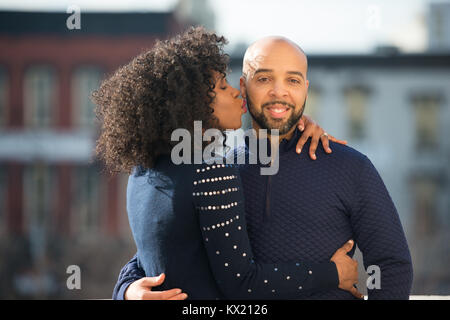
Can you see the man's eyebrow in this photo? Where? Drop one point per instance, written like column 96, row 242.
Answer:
column 263, row 70
column 297, row 73
column 289, row 72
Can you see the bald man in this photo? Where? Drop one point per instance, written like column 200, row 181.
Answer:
column 322, row 202
column 274, row 84
column 309, row 209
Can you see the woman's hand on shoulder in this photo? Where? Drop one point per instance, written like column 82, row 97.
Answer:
column 311, row 129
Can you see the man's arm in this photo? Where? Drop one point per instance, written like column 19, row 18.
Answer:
column 379, row 235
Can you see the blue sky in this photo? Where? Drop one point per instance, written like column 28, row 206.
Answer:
column 318, row 26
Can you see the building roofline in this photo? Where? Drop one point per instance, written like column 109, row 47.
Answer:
column 105, row 23
column 420, row 60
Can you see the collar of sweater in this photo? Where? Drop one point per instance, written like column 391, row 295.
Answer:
column 285, row 144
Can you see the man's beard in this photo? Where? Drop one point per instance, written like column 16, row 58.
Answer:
column 284, row 126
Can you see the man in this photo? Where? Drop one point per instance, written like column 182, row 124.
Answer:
column 309, row 208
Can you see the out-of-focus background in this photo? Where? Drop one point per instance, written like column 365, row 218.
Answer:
column 379, row 76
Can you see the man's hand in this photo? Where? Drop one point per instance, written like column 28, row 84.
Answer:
column 142, row 290
column 347, row 269
column 313, row 130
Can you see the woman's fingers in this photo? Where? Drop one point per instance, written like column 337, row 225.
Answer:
column 142, row 290
column 181, row 296
column 301, row 142
column 152, row 281
column 332, row 138
column 161, row 295
column 170, row 294
column 316, row 133
column 313, row 147
column 301, row 123
column 325, row 143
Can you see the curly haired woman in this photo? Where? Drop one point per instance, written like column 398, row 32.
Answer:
column 177, row 82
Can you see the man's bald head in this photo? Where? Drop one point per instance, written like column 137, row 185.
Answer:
column 275, row 84
column 262, row 47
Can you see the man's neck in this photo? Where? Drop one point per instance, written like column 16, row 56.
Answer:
column 286, row 136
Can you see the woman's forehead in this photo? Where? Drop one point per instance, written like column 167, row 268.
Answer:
column 219, row 76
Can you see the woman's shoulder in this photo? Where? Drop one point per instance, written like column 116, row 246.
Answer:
column 164, row 174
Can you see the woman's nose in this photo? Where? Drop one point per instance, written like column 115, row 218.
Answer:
column 236, row 93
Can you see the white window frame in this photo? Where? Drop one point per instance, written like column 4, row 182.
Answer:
column 85, row 79
column 40, row 96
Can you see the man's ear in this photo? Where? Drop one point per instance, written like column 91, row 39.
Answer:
column 307, row 84
column 243, row 87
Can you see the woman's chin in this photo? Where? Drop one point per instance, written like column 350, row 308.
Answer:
column 239, row 126
column 234, row 127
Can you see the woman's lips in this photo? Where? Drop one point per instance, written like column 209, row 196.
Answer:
column 244, row 106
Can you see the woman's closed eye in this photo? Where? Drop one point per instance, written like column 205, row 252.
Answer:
column 224, row 84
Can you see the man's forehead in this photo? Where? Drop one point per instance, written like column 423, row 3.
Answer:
column 272, row 53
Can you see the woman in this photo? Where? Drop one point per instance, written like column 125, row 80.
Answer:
column 180, row 81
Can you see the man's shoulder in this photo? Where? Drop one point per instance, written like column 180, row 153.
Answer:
column 348, row 153
column 345, row 159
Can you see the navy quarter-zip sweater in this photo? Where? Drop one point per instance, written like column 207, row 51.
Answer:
column 309, row 209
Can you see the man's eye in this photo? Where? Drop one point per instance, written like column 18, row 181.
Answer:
column 263, row 79
column 295, row 81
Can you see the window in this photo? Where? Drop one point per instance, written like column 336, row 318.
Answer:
column 84, row 81
column 38, row 205
column 356, row 100
column 3, row 97
column 425, row 191
column 313, row 103
column 86, row 199
column 426, row 109
column 39, row 96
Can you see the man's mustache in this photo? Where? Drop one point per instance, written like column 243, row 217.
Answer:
column 270, row 103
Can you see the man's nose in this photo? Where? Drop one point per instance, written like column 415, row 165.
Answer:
column 278, row 90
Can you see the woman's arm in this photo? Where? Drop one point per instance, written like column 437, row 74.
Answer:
column 310, row 129
column 134, row 285
column 219, row 199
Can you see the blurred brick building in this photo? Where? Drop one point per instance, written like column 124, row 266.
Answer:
column 57, row 207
